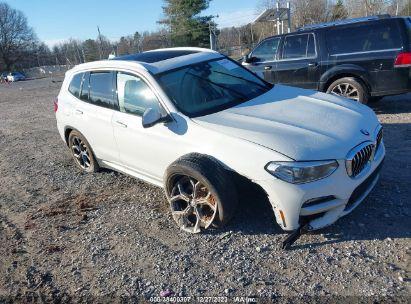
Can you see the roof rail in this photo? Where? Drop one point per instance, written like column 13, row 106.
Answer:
column 342, row 22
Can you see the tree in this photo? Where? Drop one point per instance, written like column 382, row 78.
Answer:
column 186, row 27
column 16, row 37
column 339, row 11
column 91, row 50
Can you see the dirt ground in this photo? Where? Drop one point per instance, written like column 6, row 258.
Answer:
column 68, row 236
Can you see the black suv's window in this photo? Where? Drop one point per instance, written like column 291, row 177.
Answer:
column 101, row 89
column 266, row 50
column 75, row 84
column 299, row 46
column 363, row 38
column 408, row 23
column 134, row 95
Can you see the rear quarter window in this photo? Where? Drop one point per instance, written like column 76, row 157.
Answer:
column 363, row 38
column 408, row 25
column 75, row 84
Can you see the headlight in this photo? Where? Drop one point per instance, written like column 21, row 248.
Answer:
column 302, row 172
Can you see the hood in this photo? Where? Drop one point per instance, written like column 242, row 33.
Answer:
column 301, row 124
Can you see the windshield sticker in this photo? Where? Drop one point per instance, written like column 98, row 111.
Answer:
column 227, row 64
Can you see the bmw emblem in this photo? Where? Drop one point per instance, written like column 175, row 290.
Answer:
column 365, row 132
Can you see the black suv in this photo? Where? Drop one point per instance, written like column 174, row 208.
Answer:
column 358, row 58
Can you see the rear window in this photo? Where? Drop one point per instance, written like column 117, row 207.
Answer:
column 408, row 24
column 299, row 46
column 363, row 38
column 101, row 92
column 75, row 85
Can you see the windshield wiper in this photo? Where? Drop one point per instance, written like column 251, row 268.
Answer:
column 242, row 78
column 219, row 85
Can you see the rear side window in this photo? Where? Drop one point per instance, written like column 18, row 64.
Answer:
column 101, row 90
column 363, row 38
column 408, row 24
column 299, row 46
column 75, row 84
column 134, row 95
column 267, row 50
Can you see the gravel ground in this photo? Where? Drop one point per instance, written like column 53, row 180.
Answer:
column 66, row 235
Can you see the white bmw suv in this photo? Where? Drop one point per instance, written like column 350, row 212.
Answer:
column 189, row 119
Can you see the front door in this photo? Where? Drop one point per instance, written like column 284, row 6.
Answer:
column 144, row 151
column 263, row 59
column 298, row 65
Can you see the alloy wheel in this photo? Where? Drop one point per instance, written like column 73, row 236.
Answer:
column 192, row 204
column 81, row 153
column 346, row 90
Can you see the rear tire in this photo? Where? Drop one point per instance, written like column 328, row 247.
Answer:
column 350, row 87
column 200, row 192
column 82, row 152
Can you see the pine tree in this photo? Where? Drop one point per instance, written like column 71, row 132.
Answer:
column 339, row 11
column 185, row 25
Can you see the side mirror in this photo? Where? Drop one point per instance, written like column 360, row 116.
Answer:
column 249, row 59
column 152, row 117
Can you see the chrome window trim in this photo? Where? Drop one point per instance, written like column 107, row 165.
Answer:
column 300, row 58
column 365, row 52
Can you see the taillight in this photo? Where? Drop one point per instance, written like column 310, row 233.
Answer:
column 403, row 60
column 56, row 104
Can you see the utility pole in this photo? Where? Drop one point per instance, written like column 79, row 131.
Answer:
column 289, row 17
column 101, row 42
column 213, row 42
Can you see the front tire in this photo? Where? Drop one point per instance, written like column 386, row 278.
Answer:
column 82, row 152
column 349, row 87
column 200, row 193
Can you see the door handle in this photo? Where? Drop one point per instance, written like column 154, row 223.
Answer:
column 79, row 112
column 268, row 67
column 121, row 124
column 312, row 64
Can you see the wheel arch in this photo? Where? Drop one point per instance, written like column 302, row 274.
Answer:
column 67, row 131
column 345, row 71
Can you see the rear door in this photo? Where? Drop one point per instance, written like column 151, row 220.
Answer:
column 298, row 65
column 264, row 58
column 93, row 114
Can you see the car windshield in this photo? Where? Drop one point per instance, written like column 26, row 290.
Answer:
column 211, row 86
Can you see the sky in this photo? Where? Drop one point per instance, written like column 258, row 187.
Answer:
column 58, row 20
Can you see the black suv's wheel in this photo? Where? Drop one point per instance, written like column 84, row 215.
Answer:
column 351, row 88
column 200, row 192
column 82, row 152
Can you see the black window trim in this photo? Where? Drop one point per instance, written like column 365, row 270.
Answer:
column 276, row 57
column 281, row 59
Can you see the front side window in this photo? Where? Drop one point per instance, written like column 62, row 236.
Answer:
column 363, row 38
column 266, row 50
column 75, row 84
column 101, row 91
column 211, row 86
column 134, row 95
column 299, row 46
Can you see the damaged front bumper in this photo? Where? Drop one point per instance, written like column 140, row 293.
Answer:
column 319, row 204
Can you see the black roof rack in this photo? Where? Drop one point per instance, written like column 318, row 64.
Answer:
column 342, row 22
